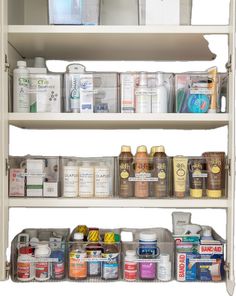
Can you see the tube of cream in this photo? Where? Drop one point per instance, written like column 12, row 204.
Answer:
column 215, row 166
column 213, row 86
column 195, row 168
column 180, row 169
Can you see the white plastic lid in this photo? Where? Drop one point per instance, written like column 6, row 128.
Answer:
column 39, row 62
column 42, row 249
column 148, row 236
column 78, row 236
column 75, row 68
column 130, row 253
column 206, row 232
column 34, row 241
column 164, row 257
column 21, row 64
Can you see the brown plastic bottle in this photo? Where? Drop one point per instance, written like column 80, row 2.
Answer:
column 141, row 169
column 110, row 265
column 126, row 171
column 160, row 166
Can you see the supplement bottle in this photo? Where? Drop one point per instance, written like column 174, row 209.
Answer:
column 130, row 266
column 126, row 171
column 160, row 171
column 58, row 268
column 141, row 188
column 77, row 258
column 71, row 179
column 94, row 251
column 42, row 264
column 110, row 267
column 148, row 250
column 164, row 268
column 86, row 180
column 21, row 96
column 143, row 96
column 25, row 265
column 102, row 180
column 160, row 99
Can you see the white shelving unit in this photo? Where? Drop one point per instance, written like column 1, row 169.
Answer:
column 181, row 43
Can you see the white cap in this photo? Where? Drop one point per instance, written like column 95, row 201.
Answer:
column 34, row 241
column 130, row 253
column 164, row 258
column 75, row 68
column 148, row 236
column 206, row 232
column 71, row 163
column 39, row 62
column 78, row 236
column 21, row 64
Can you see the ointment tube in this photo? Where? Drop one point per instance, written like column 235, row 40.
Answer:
column 180, row 169
column 213, row 86
column 195, row 168
column 215, row 166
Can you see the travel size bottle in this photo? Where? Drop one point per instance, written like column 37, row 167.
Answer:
column 126, row 171
column 141, row 188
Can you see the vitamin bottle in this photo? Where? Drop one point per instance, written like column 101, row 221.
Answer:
column 21, row 96
column 110, row 267
column 126, row 171
column 71, row 179
column 160, row 99
column 58, row 267
column 42, row 265
column 94, row 251
column 143, row 95
column 102, row 180
column 164, row 268
column 86, row 180
column 160, row 171
column 148, row 250
column 25, row 265
column 141, row 189
column 130, row 266
column 77, row 258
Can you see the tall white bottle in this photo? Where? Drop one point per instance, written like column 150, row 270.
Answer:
column 71, row 179
column 21, row 96
column 143, row 96
column 160, row 100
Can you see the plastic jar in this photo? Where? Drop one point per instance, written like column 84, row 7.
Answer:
column 25, row 265
column 42, row 264
column 164, row 268
column 148, row 252
column 58, row 268
column 130, row 266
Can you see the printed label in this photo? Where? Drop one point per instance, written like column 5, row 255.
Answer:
column 130, row 275
column 102, row 182
column 147, row 270
column 181, row 267
column 24, row 270
column 94, row 267
column 86, row 177
column 42, row 270
column 110, row 267
column 209, row 249
column 77, row 265
column 58, row 270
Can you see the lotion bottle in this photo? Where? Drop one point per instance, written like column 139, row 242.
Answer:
column 21, row 95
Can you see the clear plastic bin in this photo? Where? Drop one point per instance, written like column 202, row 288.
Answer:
column 39, row 255
column 200, row 260
column 88, row 92
column 167, row 12
column 196, row 92
column 94, row 261
column 69, row 12
column 148, row 177
column 144, row 92
column 88, row 177
column 200, row 177
column 153, row 261
column 34, row 176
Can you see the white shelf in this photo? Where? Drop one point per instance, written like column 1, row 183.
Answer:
column 117, row 121
column 184, row 43
column 115, row 203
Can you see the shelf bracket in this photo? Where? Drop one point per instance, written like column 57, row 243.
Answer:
column 7, row 269
column 7, row 65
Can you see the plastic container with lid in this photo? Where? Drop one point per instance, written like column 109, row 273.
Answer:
column 25, row 265
column 130, row 266
column 164, row 268
column 42, row 264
